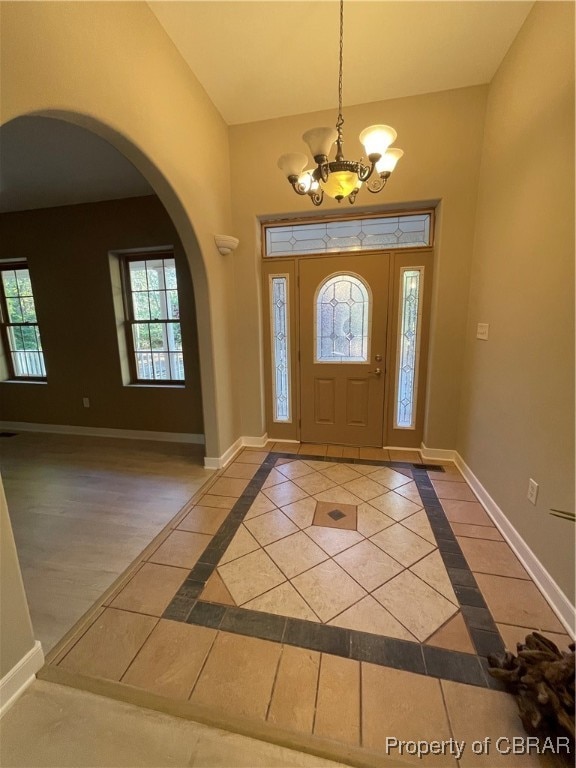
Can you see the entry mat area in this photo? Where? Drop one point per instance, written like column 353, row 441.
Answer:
column 392, row 563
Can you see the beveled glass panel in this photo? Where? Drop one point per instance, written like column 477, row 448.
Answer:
column 280, row 348
column 342, row 320
column 374, row 233
column 409, row 347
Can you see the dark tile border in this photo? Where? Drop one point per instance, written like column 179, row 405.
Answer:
column 349, row 643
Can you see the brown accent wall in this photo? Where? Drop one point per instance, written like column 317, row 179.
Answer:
column 67, row 250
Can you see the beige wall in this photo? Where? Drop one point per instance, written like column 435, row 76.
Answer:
column 112, row 68
column 67, row 253
column 441, row 134
column 16, row 638
column 517, row 409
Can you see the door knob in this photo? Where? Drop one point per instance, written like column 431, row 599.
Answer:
column 378, row 372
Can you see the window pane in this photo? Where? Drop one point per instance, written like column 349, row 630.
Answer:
column 28, row 309
column 409, row 231
column 342, row 321
column 14, row 311
column 23, row 280
column 9, row 283
column 408, row 346
column 280, row 348
column 157, row 345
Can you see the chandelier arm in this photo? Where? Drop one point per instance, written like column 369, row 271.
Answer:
column 365, row 171
column 297, row 185
column 317, row 197
column 378, row 184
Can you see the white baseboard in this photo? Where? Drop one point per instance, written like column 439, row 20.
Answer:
column 439, row 454
column 219, row 462
column 15, row 682
column 556, row 598
column 132, row 434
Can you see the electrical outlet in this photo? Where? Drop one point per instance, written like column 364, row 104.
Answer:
column 482, row 330
column 86, row 402
column 532, row 491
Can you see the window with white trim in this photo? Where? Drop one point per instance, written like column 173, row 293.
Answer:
column 20, row 331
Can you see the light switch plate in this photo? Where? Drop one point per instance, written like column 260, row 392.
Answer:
column 482, row 330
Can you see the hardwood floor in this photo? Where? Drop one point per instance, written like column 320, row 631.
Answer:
column 82, row 508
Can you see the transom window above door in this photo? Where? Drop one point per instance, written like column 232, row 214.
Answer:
column 342, row 325
column 368, row 233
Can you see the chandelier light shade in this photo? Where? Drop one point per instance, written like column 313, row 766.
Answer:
column 340, row 178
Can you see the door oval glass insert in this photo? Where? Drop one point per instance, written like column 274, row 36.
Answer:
column 342, row 327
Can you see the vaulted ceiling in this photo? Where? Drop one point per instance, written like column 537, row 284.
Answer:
column 261, row 59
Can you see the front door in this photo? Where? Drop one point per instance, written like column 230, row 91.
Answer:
column 343, row 316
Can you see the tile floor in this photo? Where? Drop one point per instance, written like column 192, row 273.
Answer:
column 254, row 607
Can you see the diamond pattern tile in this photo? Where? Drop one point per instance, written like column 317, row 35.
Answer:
column 401, row 544
column 328, row 589
column 295, row 554
column 250, row 576
column 270, row 527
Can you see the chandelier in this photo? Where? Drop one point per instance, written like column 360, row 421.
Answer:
column 341, row 178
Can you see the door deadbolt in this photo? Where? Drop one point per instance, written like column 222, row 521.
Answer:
column 378, row 358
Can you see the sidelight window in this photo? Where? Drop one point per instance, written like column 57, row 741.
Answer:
column 410, row 321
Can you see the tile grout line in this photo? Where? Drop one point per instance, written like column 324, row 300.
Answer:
column 276, row 674
column 218, row 612
column 133, row 659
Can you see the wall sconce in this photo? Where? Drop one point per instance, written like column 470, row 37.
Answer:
column 226, row 243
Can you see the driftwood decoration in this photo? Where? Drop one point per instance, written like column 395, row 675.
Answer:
column 542, row 679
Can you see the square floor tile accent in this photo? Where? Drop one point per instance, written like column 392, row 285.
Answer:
column 238, row 676
column 478, row 713
column 328, row 589
column 516, row 601
column 285, row 493
column 242, row 544
column 294, row 699
column 170, row 660
column 338, row 716
column 453, row 636
column 405, row 706
column 368, row 565
column 395, row 506
column 283, row 600
column 250, row 576
column 295, row 554
column 109, row 645
column 329, row 515
column 333, row 540
column 151, row 589
column 203, row 520
column 417, row 606
column 181, row 549
column 369, row 616
column 401, row 544
column 216, row 591
column 494, row 557
column 432, row 570
column 270, row 527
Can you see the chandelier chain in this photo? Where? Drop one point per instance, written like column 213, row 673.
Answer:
column 341, row 57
